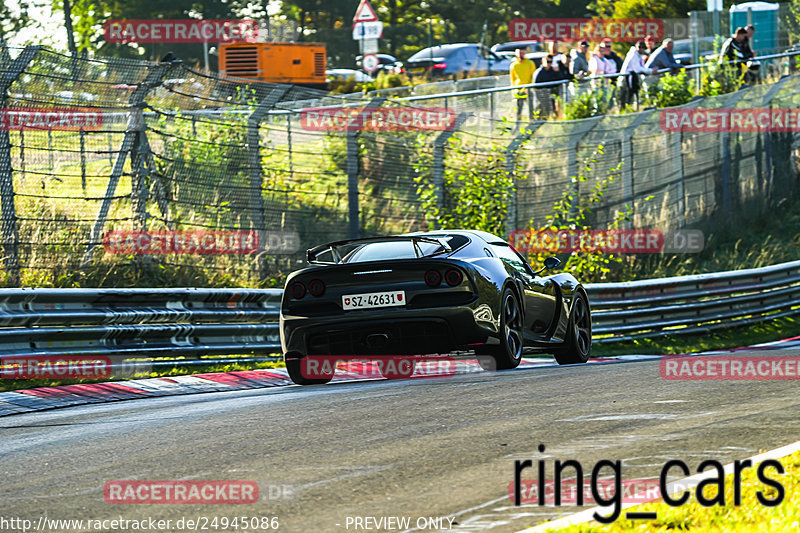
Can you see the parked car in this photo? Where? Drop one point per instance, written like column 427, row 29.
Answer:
column 683, row 49
column 344, row 74
column 386, row 63
column 430, row 293
column 455, row 61
column 534, row 50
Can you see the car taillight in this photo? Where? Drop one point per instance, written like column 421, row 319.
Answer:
column 297, row 290
column 433, row 278
column 439, row 66
column 453, row 277
column 316, row 287
column 402, row 71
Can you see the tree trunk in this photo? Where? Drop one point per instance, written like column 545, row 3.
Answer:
column 68, row 26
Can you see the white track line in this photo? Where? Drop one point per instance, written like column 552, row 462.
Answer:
column 672, row 488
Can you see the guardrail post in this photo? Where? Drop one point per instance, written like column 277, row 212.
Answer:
column 353, row 213
column 7, row 204
column 438, row 160
column 131, row 146
column 510, row 164
column 255, row 170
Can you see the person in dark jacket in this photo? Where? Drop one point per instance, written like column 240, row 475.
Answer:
column 546, row 95
column 612, row 55
column 734, row 49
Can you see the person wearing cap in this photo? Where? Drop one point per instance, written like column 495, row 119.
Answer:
column 662, row 59
column 579, row 66
column 611, row 54
column 521, row 73
column 632, row 68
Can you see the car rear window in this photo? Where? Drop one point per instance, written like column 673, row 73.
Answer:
column 383, row 251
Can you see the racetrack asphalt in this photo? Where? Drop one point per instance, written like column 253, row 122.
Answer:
column 416, row 448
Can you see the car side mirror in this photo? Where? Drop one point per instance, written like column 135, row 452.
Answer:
column 549, row 263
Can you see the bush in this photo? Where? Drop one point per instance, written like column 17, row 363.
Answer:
column 588, row 104
column 721, row 79
column 671, row 90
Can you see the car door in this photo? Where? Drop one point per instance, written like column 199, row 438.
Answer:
column 540, row 294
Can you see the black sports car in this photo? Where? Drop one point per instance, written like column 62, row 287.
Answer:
column 431, row 293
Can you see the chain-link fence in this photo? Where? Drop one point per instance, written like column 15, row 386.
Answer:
column 90, row 147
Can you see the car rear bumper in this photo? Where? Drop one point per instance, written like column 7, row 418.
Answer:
column 393, row 332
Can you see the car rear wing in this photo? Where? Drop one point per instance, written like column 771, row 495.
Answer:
column 334, row 247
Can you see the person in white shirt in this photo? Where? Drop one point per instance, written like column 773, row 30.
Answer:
column 632, row 67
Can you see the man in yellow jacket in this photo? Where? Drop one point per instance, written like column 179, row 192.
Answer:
column 521, row 73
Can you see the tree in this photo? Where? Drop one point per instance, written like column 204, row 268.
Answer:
column 645, row 8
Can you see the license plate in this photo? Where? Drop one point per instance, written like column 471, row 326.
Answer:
column 373, row 299
column 417, row 70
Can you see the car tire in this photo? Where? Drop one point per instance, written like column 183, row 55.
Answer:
column 294, row 368
column 578, row 345
column 507, row 354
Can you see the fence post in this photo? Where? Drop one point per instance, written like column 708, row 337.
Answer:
column 255, row 170
column 680, row 193
column 7, row 204
column 132, row 141
column 438, row 160
column 725, row 151
column 572, row 161
column 626, row 142
column 353, row 223
column 510, row 164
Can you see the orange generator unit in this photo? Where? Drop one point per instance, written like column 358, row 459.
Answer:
column 295, row 63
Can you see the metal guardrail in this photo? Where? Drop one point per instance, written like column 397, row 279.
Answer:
column 693, row 304
column 147, row 323
column 139, row 323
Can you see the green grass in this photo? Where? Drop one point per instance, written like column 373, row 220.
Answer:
column 751, row 516
column 770, row 330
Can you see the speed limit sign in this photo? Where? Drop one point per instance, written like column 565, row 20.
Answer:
column 370, row 63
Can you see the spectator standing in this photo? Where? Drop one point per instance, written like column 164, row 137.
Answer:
column 662, row 59
column 521, row 73
column 748, row 41
column 651, row 44
column 546, row 95
column 600, row 65
column 611, row 54
column 580, row 63
column 753, row 66
column 734, row 49
column 632, row 68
